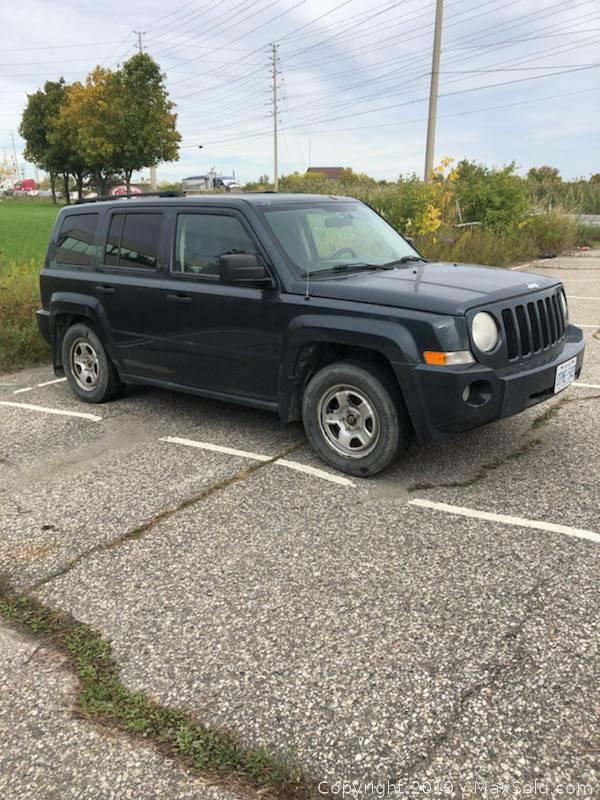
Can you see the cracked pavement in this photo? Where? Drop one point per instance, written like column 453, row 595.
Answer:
column 339, row 627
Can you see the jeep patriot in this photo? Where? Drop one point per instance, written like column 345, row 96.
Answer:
column 310, row 306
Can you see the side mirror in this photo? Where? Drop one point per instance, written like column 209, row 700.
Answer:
column 410, row 240
column 243, row 268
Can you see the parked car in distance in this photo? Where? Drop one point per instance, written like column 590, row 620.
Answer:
column 310, row 306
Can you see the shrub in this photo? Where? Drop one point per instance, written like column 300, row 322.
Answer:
column 551, row 233
column 495, row 197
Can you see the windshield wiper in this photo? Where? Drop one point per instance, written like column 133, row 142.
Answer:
column 404, row 260
column 356, row 265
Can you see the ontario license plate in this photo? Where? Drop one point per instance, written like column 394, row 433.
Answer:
column 565, row 375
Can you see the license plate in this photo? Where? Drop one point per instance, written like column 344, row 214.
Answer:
column 565, row 375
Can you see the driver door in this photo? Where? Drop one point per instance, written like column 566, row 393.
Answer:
column 222, row 337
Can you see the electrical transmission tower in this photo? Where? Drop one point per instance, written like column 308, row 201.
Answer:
column 275, row 75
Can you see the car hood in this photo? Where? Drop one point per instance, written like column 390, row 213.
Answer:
column 438, row 287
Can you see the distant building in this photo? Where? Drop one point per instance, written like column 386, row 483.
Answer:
column 335, row 173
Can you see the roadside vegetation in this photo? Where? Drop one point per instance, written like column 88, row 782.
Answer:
column 25, row 226
column 467, row 212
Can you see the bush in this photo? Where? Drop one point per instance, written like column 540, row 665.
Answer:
column 546, row 233
column 497, row 198
column 551, row 233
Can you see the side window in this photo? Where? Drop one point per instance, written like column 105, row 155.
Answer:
column 111, row 251
column 134, row 241
column 202, row 238
column 75, row 243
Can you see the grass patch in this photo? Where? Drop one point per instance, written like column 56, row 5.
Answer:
column 20, row 340
column 588, row 235
column 25, row 227
column 104, row 699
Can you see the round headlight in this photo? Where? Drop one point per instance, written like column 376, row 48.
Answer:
column 565, row 308
column 484, row 331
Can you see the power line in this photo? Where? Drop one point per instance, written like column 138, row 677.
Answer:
column 412, row 63
column 170, row 14
column 262, row 134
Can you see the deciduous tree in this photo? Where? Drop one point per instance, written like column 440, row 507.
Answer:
column 40, row 114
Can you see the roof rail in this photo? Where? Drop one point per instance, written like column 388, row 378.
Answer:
column 131, row 195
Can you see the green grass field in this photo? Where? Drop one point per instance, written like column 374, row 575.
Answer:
column 24, row 229
column 25, row 226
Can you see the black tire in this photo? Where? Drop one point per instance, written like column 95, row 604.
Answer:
column 81, row 343
column 390, row 428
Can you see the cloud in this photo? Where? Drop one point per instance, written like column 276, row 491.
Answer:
column 353, row 85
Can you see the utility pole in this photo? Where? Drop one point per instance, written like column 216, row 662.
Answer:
column 14, row 147
column 433, row 91
column 274, row 48
column 153, row 180
column 140, row 43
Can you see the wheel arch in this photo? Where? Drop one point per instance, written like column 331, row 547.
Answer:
column 69, row 308
column 319, row 342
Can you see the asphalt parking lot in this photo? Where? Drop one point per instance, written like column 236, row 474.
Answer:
column 436, row 624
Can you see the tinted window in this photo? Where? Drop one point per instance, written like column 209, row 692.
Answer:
column 111, row 251
column 134, row 241
column 202, row 238
column 76, row 240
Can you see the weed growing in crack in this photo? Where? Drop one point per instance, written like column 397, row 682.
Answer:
column 105, row 700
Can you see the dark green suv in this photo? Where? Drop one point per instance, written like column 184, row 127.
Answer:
column 310, row 306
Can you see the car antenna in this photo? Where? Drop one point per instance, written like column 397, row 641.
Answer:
column 307, row 291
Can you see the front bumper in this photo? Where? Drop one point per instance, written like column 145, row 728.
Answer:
column 440, row 409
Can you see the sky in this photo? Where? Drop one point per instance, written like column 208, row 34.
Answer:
column 519, row 79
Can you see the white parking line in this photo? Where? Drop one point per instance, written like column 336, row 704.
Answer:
column 282, row 462
column 579, row 297
column 318, row 473
column 215, row 448
column 49, row 383
column 505, row 519
column 20, row 391
column 586, row 385
column 579, row 325
column 60, row 411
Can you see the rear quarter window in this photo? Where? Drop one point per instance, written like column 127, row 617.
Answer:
column 76, row 241
column 134, row 241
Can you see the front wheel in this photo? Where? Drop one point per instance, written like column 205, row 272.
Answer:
column 354, row 417
column 90, row 372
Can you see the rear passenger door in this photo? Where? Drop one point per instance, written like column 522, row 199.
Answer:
column 223, row 337
column 129, row 288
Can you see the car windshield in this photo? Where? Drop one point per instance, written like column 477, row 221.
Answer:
column 336, row 236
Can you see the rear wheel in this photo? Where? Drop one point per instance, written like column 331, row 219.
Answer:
column 88, row 368
column 354, row 417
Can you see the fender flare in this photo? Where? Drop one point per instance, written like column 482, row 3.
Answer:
column 79, row 305
column 391, row 339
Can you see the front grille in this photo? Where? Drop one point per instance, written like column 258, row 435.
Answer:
column 533, row 326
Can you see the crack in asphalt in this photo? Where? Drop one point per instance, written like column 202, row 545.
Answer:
column 141, row 530
column 528, row 442
column 495, row 673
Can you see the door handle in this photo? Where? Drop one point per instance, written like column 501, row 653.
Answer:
column 105, row 289
column 179, row 298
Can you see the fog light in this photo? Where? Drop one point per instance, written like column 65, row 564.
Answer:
column 477, row 393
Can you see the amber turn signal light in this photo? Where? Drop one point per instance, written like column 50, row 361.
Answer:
column 443, row 359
